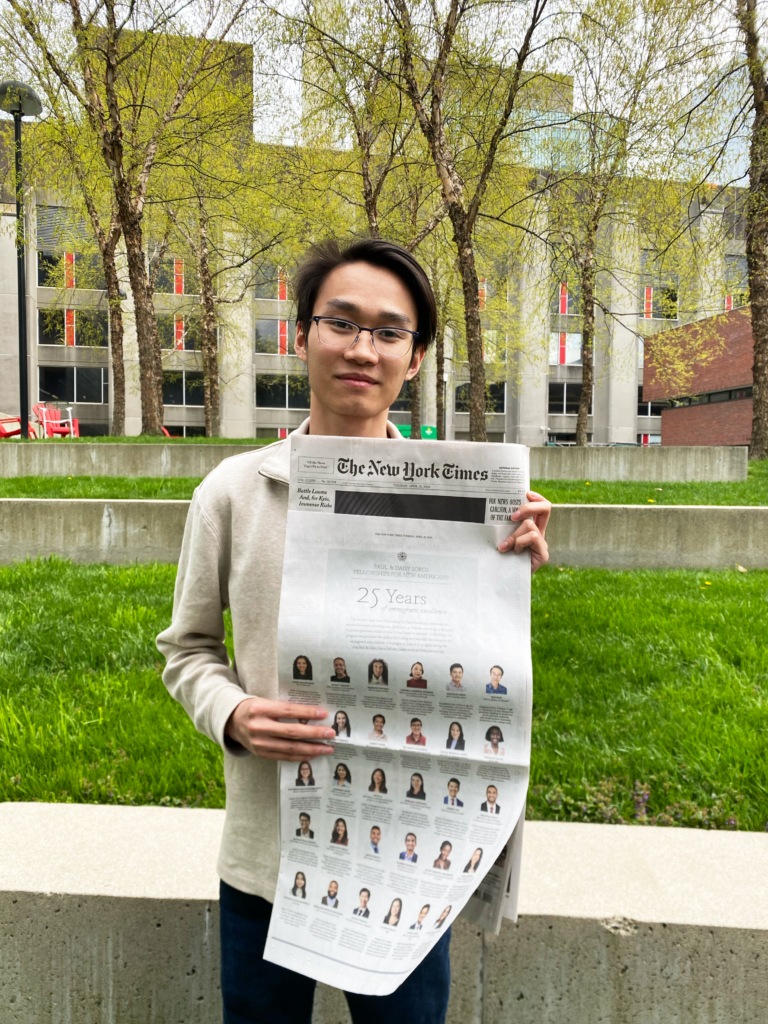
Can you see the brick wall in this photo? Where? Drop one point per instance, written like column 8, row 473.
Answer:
column 711, row 424
column 731, row 368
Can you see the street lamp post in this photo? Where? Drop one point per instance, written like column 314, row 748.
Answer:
column 21, row 101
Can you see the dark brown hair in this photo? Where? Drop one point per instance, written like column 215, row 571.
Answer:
column 325, row 257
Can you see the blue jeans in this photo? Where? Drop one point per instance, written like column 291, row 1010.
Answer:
column 258, row 992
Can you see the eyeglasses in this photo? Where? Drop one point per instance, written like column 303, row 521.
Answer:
column 341, row 334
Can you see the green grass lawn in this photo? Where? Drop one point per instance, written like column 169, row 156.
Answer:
column 753, row 491
column 650, row 694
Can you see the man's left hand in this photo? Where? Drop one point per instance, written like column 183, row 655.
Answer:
column 534, row 514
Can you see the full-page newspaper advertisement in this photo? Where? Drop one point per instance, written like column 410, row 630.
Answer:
column 399, row 615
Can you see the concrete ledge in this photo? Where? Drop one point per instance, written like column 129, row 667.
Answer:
column 600, row 536
column 655, row 463
column 108, row 915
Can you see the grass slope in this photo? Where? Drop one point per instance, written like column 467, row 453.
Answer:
column 649, row 695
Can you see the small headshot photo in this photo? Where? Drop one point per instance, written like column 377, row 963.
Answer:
column 362, row 910
column 457, row 674
column 339, row 671
column 474, row 862
column 493, row 741
column 441, row 920
column 331, row 899
column 302, row 667
column 375, row 838
column 305, row 776
column 377, row 733
column 418, row 923
column 342, row 776
column 416, row 737
column 416, row 792
column 443, row 862
column 339, row 835
column 409, row 853
column 341, row 724
column 392, row 917
column 452, row 800
column 417, row 680
column 299, row 886
column 304, row 831
column 455, row 739
column 495, row 684
column 489, row 805
column 378, row 673
column 378, row 781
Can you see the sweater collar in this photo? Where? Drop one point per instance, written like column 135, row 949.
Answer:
column 278, row 465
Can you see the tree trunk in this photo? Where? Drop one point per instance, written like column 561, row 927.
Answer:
column 416, row 407
column 117, row 427
column 440, row 382
column 587, row 276
column 208, row 331
column 150, row 364
column 757, row 231
column 472, row 324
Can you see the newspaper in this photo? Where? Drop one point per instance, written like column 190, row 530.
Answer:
column 399, row 615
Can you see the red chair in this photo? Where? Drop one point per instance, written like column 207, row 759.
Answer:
column 49, row 418
column 15, row 430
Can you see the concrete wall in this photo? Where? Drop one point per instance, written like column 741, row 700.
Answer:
column 602, row 536
column 116, row 923
column 656, row 464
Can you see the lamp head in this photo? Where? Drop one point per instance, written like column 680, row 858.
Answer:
column 17, row 98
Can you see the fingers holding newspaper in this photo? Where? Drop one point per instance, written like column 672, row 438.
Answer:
column 255, row 724
column 534, row 514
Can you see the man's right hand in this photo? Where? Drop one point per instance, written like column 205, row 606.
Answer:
column 255, row 725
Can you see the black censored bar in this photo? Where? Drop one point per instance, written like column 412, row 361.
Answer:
column 411, row 506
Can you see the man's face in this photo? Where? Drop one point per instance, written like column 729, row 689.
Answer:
column 416, row 728
column 491, row 793
column 456, row 675
column 410, row 843
column 378, row 723
column 375, row 836
column 364, row 897
column 333, row 888
column 356, row 382
column 423, row 913
column 304, row 822
column 339, row 667
column 453, row 790
column 495, row 677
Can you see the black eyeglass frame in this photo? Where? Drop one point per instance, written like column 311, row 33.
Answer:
column 340, row 319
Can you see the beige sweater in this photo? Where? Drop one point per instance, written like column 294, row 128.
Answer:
column 232, row 557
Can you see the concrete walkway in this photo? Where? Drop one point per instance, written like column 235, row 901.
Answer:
column 108, row 915
column 604, row 536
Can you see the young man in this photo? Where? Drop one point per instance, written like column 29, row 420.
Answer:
column 416, row 737
column 455, row 685
column 362, row 910
column 366, row 316
column 304, row 831
column 489, row 805
column 453, row 794
column 409, row 853
column 495, row 684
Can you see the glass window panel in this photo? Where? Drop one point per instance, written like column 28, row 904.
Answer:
column 192, row 281
column 88, row 384
column 89, row 272
column 193, row 388
column 556, row 403
column 573, row 349
column 105, row 378
column 193, row 341
column 403, row 401
column 572, row 399
column 494, row 399
column 47, row 269
column 270, row 391
column 92, row 328
column 173, row 387
column 298, row 391
column 266, row 282
column 658, row 407
column 267, row 336
column 166, row 330
column 50, row 326
column 720, row 396
column 642, row 407
column 554, row 348
column 56, row 383
column 463, row 398
column 164, row 277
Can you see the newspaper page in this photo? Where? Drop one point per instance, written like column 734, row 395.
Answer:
column 399, row 615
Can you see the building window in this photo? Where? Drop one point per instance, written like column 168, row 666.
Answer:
column 564, row 348
column 274, row 336
column 564, row 399
column 282, row 391
column 82, row 327
column 648, row 439
column 659, row 289
column 565, row 298
column 178, row 332
column 183, row 387
column 70, row 270
column 88, row 385
column 271, row 283
column 495, row 398
column 736, row 282
column 186, row 431
column 649, row 408
column 174, row 276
